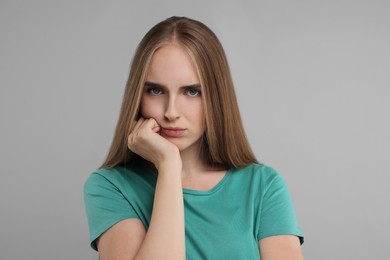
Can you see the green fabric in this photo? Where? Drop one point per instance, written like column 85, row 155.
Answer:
column 225, row 222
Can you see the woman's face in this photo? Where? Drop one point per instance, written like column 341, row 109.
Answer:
column 172, row 96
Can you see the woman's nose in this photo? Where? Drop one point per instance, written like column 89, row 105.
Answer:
column 172, row 112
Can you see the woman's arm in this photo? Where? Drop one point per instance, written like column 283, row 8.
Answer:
column 165, row 238
column 282, row 247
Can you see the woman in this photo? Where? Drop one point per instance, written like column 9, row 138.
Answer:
column 180, row 180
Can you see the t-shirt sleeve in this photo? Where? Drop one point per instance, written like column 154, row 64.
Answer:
column 277, row 215
column 105, row 205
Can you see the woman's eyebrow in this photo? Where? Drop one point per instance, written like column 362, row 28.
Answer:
column 154, row 85
column 192, row 86
column 157, row 85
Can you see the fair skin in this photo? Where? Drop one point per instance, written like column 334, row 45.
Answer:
column 168, row 135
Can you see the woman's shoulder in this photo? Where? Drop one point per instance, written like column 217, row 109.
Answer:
column 110, row 173
column 105, row 177
column 258, row 169
column 259, row 173
column 120, row 174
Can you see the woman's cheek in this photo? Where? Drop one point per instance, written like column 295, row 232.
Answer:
column 149, row 110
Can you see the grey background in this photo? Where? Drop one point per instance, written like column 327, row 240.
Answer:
column 312, row 79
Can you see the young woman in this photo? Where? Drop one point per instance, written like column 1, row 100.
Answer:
column 180, row 180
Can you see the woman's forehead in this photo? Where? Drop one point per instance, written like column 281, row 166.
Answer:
column 171, row 64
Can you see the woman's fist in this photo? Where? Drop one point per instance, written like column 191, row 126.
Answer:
column 146, row 141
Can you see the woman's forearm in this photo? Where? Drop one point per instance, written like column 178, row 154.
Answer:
column 165, row 238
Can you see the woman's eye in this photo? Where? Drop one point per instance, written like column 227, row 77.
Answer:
column 154, row 91
column 192, row 92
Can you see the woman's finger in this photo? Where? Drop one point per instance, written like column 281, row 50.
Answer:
column 152, row 124
column 138, row 124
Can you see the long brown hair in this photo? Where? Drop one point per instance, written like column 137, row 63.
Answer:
column 224, row 140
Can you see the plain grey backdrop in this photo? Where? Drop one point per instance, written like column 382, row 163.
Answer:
column 312, row 79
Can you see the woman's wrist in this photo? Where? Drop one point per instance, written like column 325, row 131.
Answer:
column 170, row 164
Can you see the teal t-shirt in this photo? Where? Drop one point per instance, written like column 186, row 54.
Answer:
column 226, row 222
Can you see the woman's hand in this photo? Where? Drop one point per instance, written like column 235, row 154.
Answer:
column 146, row 141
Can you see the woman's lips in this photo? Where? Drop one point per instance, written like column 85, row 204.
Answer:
column 173, row 132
